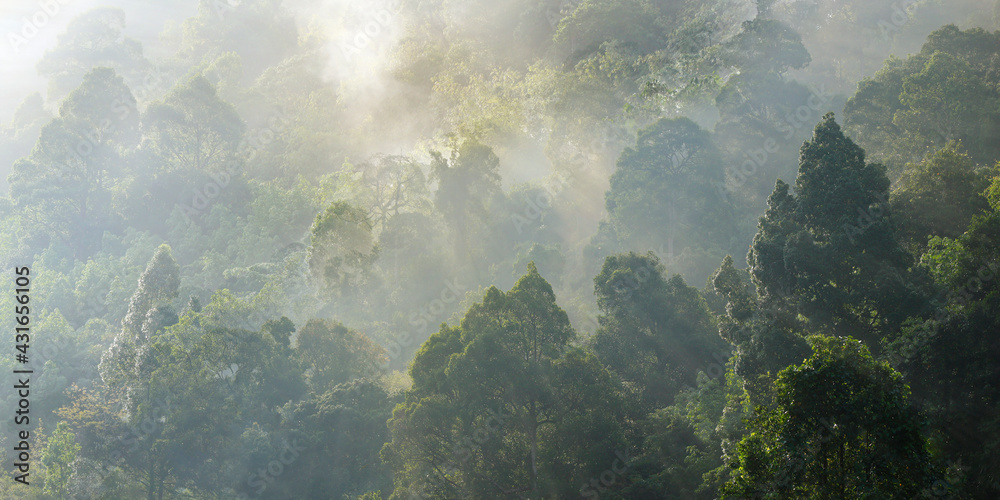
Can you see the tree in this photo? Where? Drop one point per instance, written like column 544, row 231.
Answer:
column 842, row 428
column 763, row 116
column 122, row 368
column 57, row 458
column 341, row 250
column 93, row 39
column 682, row 449
column 341, row 431
column 393, row 184
column 668, row 182
column 498, row 404
column 467, row 183
column 944, row 79
column 19, row 136
column 951, row 358
column 915, row 106
column 655, row 333
column 829, row 251
column 280, row 329
column 262, row 32
column 66, row 184
column 333, row 354
column 766, row 46
column 192, row 129
column 292, row 105
column 767, row 335
column 203, row 389
column 938, row 197
column 593, row 22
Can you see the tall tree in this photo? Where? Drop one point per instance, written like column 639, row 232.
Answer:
column 333, row 354
column 262, row 32
column 467, row 183
column 767, row 336
column 66, row 184
column 93, row 39
column 341, row 432
column 829, row 251
column 57, row 459
column 662, row 189
column 939, row 196
column 341, row 251
column 149, row 310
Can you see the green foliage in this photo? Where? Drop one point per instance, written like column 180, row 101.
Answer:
column 948, row 359
column 149, row 311
column 393, row 184
column 767, row 336
column 341, row 432
column 594, row 22
column 829, row 252
column 261, row 32
column 842, row 427
column 57, row 458
column 333, row 354
column 939, row 196
column 655, row 333
column 192, row 129
column 66, row 185
column 668, row 181
column 682, row 453
column 94, row 39
column 341, row 249
column 498, row 404
column 280, row 330
column 467, row 184
column 767, row 46
column 915, row 106
column 992, row 193
column 219, row 172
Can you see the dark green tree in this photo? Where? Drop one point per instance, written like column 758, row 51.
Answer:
column 333, row 354
column 829, row 251
column 655, row 333
column 334, row 439
column 766, row 46
column 951, row 359
column 767, row 336
column 341, row 251
column 842, row 427
column 467, row 184
column 499, row 403
column 939, row 196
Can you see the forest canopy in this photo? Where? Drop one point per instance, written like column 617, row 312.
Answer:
column 529, row 249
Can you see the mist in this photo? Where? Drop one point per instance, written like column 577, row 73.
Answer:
column 518, row 249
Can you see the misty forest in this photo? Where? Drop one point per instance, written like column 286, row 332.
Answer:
column 485, row 249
